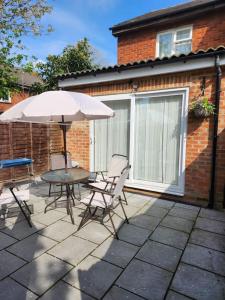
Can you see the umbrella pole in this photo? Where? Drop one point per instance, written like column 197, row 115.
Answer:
column 64, row 141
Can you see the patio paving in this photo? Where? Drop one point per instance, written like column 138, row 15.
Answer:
column 169, row 251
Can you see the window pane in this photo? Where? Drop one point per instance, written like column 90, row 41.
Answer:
column 182, row 48
column 183, row 34
column 165, row 44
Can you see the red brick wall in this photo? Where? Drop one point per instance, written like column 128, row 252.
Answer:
column 208, row 31
column 15, row 98
column 199, row 136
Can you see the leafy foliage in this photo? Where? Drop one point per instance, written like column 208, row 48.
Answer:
column 204, row 105
column 73, row 58
column 18, row 18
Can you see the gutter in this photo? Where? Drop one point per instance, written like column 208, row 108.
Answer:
column 215, row 131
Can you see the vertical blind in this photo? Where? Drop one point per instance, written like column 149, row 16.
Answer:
column 112, row 135
column 157, row 139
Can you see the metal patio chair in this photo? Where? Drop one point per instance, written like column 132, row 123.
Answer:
column 57, row 161
column 108, row 179
column 104, row 200
column 11, row 197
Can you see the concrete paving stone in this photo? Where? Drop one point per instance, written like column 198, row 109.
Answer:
column 187, row 206
column 32, row 247
column 212, row 214
column 144, row 221
column 117, row 220
column 117, row 293
column 177, row 223
column 72, row 250
column 138, row 201
column 50, row 217
column 160, row 255
column 133, row 234
column 64, row 291
column 9, row 263
column 170, row 237
column 198, row 284
column 6, row 240
column 163, row 203
column 208, row 239
column 77, row 214
column 22, row 229
column 115, row 251
column 94, row 232
column 10, row 290
column 154, row 211
column 42, row 273
column 175, row 296
column 93, row 276
column 130, row 211
column 145, row 280
column 210, row 225
column 4, row 222
column 204, row 258
column 59, row 231
column 184, row 213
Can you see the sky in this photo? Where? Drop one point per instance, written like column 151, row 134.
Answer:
column 73, row 20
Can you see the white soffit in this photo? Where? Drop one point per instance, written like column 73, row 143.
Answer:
column 166, row 68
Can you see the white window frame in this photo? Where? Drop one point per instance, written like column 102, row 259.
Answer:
column 6, row 100
column 174, row 32
column 146, row 185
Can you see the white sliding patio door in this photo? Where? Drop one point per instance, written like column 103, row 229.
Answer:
column 157, row 139
column 112, row 135
column 150, row 128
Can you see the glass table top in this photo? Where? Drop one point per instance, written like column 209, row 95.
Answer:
column 61, row 176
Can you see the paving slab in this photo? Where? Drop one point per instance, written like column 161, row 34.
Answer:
column 133, row 234
column 50, row 217
column 93, row 276
column 138, row 201
column 210, row 225
column 187, row 206
column 198, row 284
column 144, row 221
column 175, row 296
column 77, row 214
column 184, row 213
column 116, row 251
column 130, row 211
column 42, row 273
column 145, row 280
column 94, row 232
column 163, row 203
column 59, row 230
column 205, row 258
column 4, row 222
column 154, row 211
column 170, row 237
column 9, row 263
column 64, row 291
column 208, row 239
column 32, row 246
column 10, row 290
column 6, row 240
column 117, row 293
column 212, row 214
column 160, row 255
column 72, row 250
column 178, row 223
column 22, row 229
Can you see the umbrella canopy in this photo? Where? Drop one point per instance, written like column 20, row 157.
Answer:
column 51, row 106
column 60, row 107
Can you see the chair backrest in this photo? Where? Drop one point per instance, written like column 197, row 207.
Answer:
column 117, row 164
column 121, row 181
column 57, row 161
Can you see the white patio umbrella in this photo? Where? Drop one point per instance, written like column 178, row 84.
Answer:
column 59, row 107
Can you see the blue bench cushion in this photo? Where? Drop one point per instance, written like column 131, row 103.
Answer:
column 9, row 163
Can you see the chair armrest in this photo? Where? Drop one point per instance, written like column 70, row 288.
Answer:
column 96, row 190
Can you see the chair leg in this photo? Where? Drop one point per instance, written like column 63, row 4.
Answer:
column 21, row 208
column 86, row 213
column 27, row 207
column 126, row 219
column 114, row 228
column 49, row 191
column 125, row 198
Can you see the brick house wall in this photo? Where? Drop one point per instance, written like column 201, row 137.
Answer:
column 199, row 134
column 15, row 98
column 141, row 44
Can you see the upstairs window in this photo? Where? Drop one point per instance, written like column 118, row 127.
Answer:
column 174, row 42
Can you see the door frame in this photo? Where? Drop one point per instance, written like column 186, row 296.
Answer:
column 146, row 185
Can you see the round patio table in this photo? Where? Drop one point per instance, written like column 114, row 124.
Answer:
column 65, row 177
